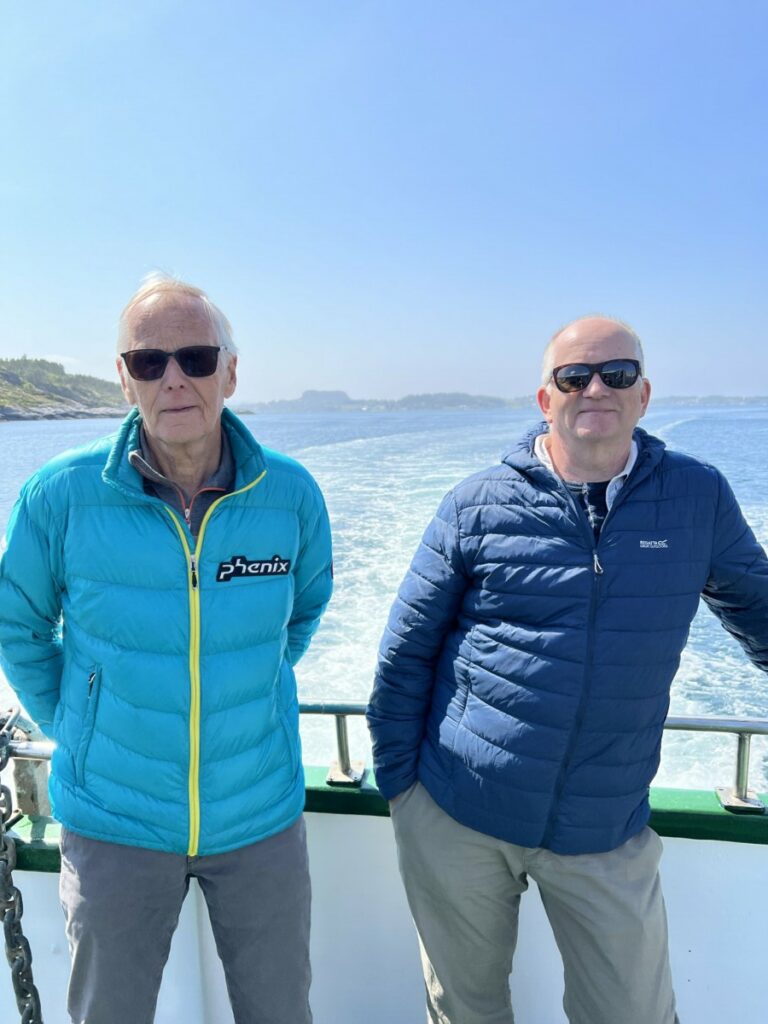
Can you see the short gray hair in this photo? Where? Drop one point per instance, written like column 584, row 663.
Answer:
column 163, row 286
column 548, row 362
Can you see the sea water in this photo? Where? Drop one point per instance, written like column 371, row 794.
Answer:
column 383, row 475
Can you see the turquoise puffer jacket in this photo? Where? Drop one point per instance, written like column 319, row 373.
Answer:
column 163, row 667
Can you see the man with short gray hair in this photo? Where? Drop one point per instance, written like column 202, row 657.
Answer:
column 523, row 684
column 156, row 591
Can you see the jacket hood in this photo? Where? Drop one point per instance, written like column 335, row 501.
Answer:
column 650, row 450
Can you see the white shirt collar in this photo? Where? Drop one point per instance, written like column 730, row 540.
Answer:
column 541, row 451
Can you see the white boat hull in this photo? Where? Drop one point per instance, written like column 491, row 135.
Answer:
column 365, row 955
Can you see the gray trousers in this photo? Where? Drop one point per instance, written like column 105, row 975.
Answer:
column 606, row 911
column 122, row 904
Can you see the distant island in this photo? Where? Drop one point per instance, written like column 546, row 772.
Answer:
column 34, row 389
column 710, row 400
column 339, row 401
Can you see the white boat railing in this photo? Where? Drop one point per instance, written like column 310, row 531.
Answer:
column 739, row 797
column 346, row 772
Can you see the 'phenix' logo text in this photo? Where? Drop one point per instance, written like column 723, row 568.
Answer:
column 238, row 565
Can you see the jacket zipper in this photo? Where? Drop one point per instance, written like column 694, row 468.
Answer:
column 597, row 572
column 193, row 561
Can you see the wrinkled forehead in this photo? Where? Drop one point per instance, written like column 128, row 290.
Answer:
column 593, row 341
column 161, row 320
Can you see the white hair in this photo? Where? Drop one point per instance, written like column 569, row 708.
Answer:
column 159, row 287
column 548, row 361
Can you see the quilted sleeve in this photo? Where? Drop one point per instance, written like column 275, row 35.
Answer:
column 313, row 576
column 30, row 605
column 423, row 613
column 737, row 588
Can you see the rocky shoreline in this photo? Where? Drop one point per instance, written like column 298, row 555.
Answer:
column 57, row 412
column 40, row 389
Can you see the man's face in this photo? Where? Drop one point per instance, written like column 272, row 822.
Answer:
column 598, row 414
column 177, row 410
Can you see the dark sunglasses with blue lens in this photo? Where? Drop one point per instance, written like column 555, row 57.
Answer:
column 614, row 373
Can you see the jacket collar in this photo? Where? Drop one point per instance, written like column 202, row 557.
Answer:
column 119, row 473
column 521, row 456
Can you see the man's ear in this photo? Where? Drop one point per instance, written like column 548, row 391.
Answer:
column 544, row 399
column 645, row 396
column 231, row 379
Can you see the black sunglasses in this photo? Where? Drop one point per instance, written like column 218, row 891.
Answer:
column 615, row 373
column 150, row 363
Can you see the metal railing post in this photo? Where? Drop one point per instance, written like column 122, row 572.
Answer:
column 738, row 798
column 342, row 742
column 343, row 771
column 742, row 765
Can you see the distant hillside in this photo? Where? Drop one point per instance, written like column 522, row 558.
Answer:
column 339, row 401
column 39, row 389
column 710, row 401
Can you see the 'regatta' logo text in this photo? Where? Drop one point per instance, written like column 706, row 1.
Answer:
column 238, row 565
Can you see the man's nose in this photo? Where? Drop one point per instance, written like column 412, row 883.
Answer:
column 596, row 388
column 173, row 376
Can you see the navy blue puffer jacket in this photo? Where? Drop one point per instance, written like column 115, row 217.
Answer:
column 524, row 673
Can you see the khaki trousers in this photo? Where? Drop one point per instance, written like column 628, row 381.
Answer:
column 606, row 911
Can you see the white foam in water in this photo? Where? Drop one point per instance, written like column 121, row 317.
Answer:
column 383, row 488
column 665, row 430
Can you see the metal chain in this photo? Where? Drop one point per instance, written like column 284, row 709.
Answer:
column 11, row 907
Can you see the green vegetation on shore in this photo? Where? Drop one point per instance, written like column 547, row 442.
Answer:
column 38, row 388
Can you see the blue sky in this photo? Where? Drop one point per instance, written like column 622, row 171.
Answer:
column 396, row 196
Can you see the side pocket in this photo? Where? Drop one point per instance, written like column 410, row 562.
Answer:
column 467, row 688
column 94, row 689
column 292, row 741
column 57, row 717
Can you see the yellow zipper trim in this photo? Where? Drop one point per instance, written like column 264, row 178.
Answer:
column 193, row 561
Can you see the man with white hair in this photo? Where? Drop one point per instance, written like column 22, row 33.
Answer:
column 156, row 590
column 523, row 684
